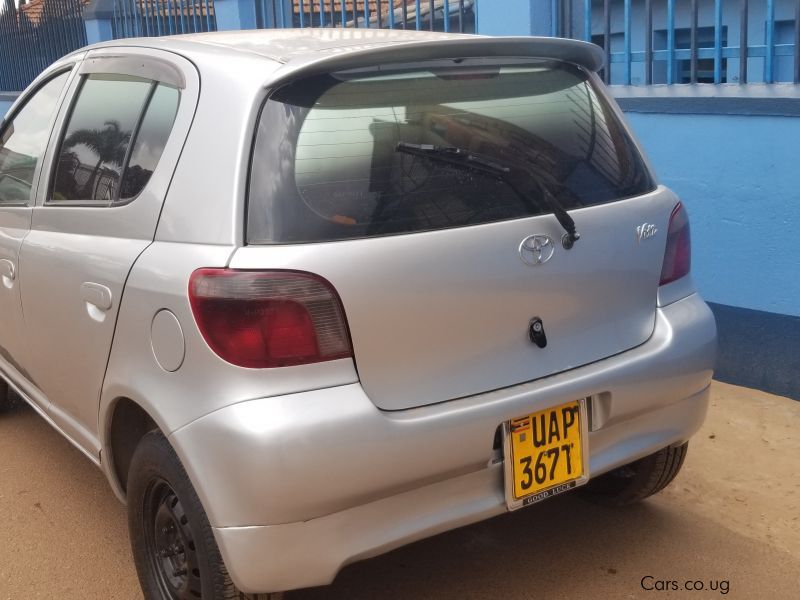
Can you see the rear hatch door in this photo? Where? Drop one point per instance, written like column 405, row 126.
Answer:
column 436, row 265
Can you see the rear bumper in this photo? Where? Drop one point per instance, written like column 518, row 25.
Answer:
column 298, row 486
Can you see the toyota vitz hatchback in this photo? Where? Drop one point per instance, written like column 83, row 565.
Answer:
column 307, row 296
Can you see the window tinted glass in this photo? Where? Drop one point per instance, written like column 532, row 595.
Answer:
column 150, row 140
column 23, row 142
column 97, row 137
column 326, row 165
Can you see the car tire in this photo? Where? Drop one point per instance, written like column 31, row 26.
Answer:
column 638, row 480
column 173, row 545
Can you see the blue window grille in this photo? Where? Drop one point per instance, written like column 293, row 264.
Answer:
column 32, row 37
column 694, row 41
column 433, row 15
column 149, row 18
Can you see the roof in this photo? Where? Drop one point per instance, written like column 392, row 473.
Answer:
column 32, row 10
column 35, row 10
column 285, row 45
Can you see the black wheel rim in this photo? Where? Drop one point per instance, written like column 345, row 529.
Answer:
column 171, row 550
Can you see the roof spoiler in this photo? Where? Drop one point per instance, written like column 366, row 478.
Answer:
column 583, row 54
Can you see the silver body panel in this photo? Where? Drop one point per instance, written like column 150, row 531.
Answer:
column 443, row 314
column 408, row 448
column 70, row 249
column 311, row 553
column 356, row 481
column 15, row 223
column 315, row 466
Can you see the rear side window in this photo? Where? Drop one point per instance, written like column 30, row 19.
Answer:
column 326, row 165
column 114, row 137
column 150, row 140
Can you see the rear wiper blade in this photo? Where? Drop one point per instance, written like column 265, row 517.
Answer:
column 510, row 174
column 455, row 155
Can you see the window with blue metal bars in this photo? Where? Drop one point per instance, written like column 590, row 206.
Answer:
column 149, row 18
column 692, row 41
column 35, row 34
column 433, row 15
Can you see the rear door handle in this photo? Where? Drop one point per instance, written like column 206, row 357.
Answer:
column 7, row 269
column 97, row 295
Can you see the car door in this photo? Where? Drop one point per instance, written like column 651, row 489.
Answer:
column 107, row 176
column 23, row 140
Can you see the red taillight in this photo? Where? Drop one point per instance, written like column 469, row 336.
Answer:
column 678, row 255
column 263, row 319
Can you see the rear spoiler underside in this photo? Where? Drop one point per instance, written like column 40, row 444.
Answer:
column 583, row 54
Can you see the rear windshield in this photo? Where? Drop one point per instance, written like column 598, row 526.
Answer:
column 326, row 164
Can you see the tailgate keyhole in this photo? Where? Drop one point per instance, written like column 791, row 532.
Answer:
column 536, row 332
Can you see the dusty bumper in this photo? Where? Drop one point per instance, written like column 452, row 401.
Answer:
column 297, row 486
column 295, row 555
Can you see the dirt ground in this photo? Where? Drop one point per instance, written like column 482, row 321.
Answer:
column 730, row 521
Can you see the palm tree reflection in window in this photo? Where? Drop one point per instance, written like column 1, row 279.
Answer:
column 77, row 180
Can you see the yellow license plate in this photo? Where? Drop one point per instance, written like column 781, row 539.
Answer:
column 546, row 453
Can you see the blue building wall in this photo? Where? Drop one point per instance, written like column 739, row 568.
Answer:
column 739, row 178
column 4, row 106
column 517, row 17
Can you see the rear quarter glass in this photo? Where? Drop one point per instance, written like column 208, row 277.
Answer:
column 325, row 165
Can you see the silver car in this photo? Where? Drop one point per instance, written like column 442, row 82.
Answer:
column 307, row 296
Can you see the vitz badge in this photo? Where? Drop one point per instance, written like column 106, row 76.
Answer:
column 645, row 231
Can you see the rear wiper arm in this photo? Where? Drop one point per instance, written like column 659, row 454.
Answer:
column 476, row 162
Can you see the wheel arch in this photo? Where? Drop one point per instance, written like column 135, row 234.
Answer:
column 126, row 422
